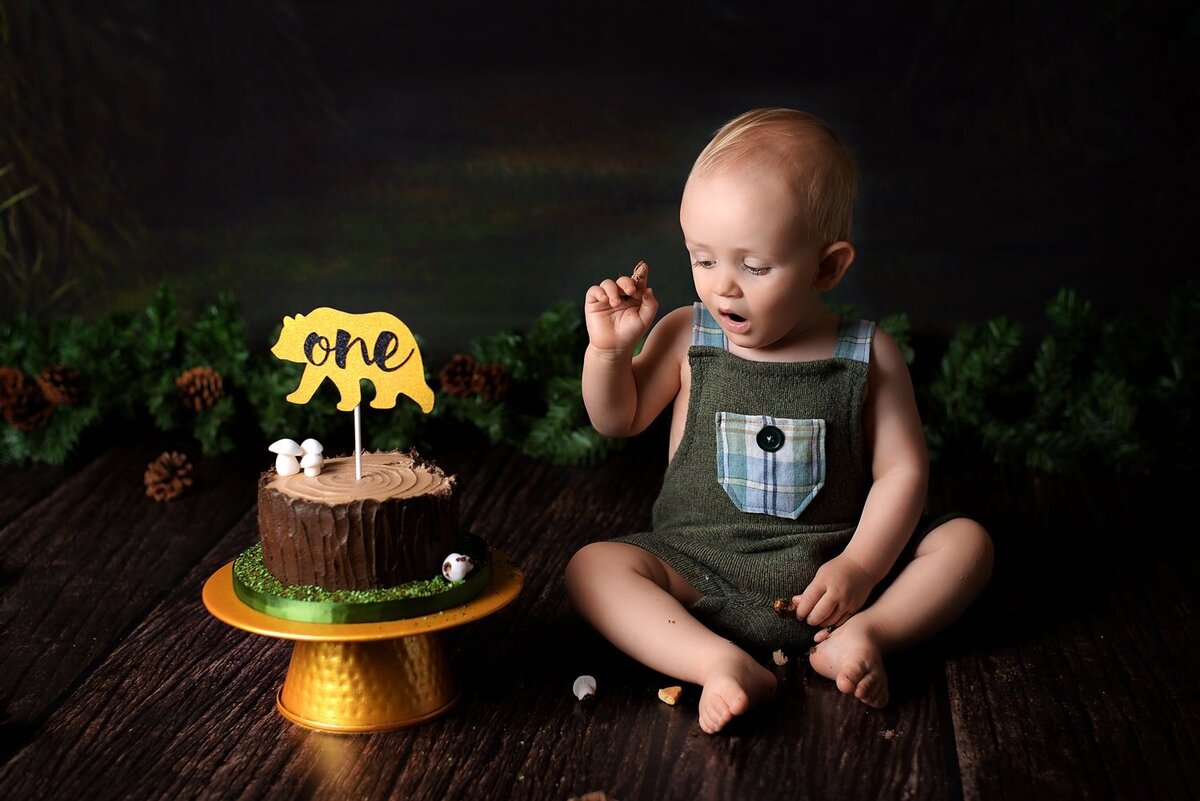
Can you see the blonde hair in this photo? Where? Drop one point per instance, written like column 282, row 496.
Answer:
column 815, row 163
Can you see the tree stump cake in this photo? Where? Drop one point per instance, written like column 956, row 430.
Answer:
column 394, row 525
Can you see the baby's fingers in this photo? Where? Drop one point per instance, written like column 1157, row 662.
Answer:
column 649, row 308
column 613, row 292
column 825, row 612
column 629, row 288
column 806, row 600
column 596, row 297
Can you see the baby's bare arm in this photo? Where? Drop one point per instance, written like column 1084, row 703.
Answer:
column 899, row 462
column 899, row 468
column 623, row 394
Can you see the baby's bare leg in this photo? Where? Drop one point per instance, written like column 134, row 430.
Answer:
column 636, row 601
column 951, row 567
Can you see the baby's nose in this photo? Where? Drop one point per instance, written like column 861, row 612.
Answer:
column 727, row 282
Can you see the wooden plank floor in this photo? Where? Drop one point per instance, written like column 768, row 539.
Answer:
column 1073, row 677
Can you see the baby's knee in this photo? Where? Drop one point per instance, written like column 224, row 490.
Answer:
column 966, row 537
column 978, row 542
column 581, row 561
column 592, row 560
column 974, row 542
column 601, row 559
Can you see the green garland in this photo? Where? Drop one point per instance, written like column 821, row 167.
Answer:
column 129, row 363
column 1115, row 394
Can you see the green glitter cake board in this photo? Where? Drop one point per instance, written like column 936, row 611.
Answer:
column 254, row 584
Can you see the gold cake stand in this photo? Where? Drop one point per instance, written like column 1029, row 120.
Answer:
column 350, row 678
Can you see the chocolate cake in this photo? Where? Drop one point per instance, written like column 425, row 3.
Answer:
column 394, row 525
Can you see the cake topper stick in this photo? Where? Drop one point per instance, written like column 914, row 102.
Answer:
column 346, row 348
column 358, row 442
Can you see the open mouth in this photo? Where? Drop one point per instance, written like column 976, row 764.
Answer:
column 735, row 322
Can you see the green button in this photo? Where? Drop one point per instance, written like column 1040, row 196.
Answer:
column 770, row 439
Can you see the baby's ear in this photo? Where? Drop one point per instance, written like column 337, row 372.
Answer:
column 835, row 260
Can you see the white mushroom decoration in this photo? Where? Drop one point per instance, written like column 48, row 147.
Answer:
column 584, row 686
column 286, row 463
column 456, row 566
column 312, row 464
column 313, row 459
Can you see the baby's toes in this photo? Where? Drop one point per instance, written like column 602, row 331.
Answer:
column 735, row 702
column 713, row 712
column 850, row 675
column 873, row 689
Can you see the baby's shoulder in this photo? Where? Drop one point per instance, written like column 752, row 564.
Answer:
column 887, row 368
column 885, row 351
column 675, row 327
column 681, row 316
column 668, row 340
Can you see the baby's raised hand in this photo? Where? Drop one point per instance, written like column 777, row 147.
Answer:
column 837, row 591
column 618, row 313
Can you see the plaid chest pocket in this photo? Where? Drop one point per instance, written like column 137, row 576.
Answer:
column 770, row 465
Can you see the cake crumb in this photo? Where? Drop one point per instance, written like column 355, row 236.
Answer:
column 890, row 734
column 779, row 657
column 669, row 695
column 595, row 795
column 784, row 607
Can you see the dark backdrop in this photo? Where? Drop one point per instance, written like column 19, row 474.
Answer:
column 465, row 164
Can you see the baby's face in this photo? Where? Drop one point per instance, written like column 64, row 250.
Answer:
column 752, row 265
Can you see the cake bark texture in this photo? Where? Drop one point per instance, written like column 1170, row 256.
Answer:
column 394, row 525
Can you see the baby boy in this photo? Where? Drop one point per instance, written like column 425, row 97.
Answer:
column 798, row 467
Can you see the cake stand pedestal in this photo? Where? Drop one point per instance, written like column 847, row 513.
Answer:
column 351, row 678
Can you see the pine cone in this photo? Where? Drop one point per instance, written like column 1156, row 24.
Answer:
column 200, row 387
column 490, row 381
column 27, row 408
column 167, row 476
column 457, row 375
column 11, row 380
column 61, row 384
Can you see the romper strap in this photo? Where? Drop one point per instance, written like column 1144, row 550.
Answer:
column 705, row 329
column 854, row 340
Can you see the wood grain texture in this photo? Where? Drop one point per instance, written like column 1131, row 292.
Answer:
column 1079, row 692
column 812, row 742
column 1074, row 674
column 176, row 699
column 1099, row 701
column 23, row 487
column 88, row 561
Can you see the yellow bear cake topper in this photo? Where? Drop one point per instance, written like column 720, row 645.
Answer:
column 346, row 348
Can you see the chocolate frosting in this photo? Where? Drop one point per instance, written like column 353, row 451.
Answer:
column 393, row 526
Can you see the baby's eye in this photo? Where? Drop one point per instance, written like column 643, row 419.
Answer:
column 705, row 263
column 753, row 270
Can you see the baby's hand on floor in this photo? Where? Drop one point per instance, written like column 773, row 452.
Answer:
column 838, row 590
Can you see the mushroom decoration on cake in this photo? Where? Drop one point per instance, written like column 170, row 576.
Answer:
column 286, row 461
column 456, row 566
column 313, row 459
column 292, row 457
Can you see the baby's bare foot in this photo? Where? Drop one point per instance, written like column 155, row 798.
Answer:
column 850, row 657
column 733, row 683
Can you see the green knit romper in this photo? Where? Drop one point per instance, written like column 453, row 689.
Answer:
column 767, row 483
